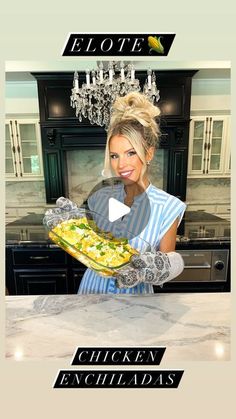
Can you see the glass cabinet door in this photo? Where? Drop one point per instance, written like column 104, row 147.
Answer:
column 197, row 162
column 9, row 154
column 216, row 146
column 30, row 155
column 23, row 154
column 228, row 149
column 209, row 151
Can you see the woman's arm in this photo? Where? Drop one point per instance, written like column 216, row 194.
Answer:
column 168, row 241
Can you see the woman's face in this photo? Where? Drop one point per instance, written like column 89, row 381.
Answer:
column 124, row 159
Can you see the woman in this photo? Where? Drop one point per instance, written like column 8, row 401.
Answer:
column 131, row 141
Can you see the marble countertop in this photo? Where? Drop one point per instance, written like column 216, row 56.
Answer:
column 192, row 327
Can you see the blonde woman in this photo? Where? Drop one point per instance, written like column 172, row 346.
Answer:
column 131, row 142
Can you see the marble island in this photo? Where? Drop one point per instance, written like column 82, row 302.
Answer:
column 192, row 327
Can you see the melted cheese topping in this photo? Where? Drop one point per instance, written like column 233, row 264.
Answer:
column 87, row 243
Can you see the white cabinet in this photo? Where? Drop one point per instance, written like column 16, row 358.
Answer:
column 23, row 157
column 228, row 149
column 207, row 229
column 209, row 147
column 29, row 233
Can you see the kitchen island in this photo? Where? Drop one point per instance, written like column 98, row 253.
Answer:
column 192, row 327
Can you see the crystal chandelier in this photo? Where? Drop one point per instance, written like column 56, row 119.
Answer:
column 93, row 100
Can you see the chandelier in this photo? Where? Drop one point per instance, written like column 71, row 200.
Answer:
column 93, row 99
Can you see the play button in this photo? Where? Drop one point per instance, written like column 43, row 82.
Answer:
column 107, row 209
column 116, row 209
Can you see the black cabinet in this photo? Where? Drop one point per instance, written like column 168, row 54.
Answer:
column 54, row 91
column 77, row 275
column 38, row 257
column 36, row 270
column 37, row 282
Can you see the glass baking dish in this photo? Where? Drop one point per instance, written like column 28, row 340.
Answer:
column 77, row 232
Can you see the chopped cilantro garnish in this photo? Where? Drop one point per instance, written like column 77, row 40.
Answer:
column 73, row 227
column 83, row 226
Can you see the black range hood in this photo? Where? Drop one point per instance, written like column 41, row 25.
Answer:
column 61, row 130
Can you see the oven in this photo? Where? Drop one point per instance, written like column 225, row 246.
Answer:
column 204, row 265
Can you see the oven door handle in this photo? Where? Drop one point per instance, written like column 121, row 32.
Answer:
column 197, row 266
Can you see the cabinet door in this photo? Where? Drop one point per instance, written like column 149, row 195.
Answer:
column 227, row 158
column 197, row 146
column 10, row 152
column 36, row 233
column 27, row 133
column 23, row 149
column 15, row 233
column 38, row 282
column 195, row 230
column 39, row 257
column 215, row 145
column 207, row 147
column 77, row 275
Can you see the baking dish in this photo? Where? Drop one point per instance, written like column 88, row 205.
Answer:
column 76, row 231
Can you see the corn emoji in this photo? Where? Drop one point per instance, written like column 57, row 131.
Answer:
column 155, row 44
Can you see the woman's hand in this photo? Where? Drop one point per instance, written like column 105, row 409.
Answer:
column 154, row 268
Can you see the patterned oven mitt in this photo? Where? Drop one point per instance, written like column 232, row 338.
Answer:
column 155, row 268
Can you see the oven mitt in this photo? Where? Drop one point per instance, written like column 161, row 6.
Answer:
column 65, row 204
column 64, row 210
column 154, row 268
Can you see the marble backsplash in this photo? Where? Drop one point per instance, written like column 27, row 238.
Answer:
column 20, row 194
column 209, row 191
column 85, row 167
column 84, row 172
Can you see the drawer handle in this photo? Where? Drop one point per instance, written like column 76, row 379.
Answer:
column 197, row 266
column 39, row 257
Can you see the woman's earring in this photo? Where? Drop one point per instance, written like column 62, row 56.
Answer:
column 103, row 173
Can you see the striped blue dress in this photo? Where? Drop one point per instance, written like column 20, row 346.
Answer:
column 165, row 208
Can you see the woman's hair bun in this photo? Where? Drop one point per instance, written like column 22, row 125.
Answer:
column 136, row 108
